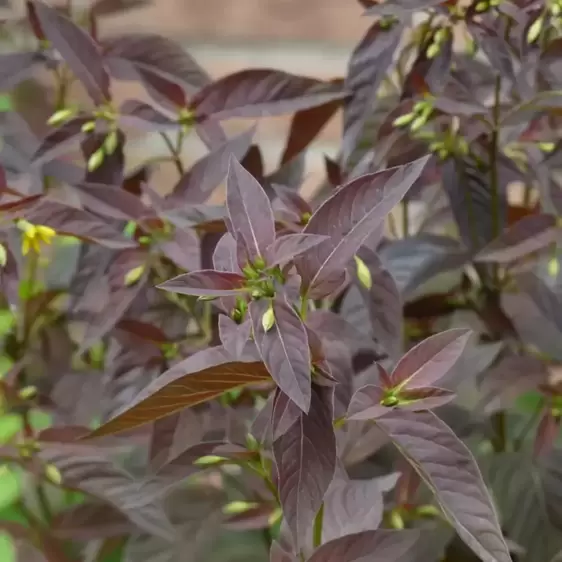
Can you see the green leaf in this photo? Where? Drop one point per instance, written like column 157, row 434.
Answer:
column 6, row 102
column 6, row 322
column 10, row 487
column 7, row 549
column 10, row 424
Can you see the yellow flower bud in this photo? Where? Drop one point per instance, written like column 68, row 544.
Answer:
column 134, row 275
column 96, row 160
column 363, row 273
column 61, row 116
column 110, row 143
column 535, row 30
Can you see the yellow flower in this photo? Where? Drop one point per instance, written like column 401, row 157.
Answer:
column 34, row 235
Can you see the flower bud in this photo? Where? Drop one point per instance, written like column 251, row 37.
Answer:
column 96, row 160
column 268, row 319
column 61, row 116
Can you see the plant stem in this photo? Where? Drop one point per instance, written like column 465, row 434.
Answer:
column 405, row 219
column 494, row 149
column 318, row 522
column 175, row 152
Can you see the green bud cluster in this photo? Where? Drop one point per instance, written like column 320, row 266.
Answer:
column 417, row 118
column 440, row 36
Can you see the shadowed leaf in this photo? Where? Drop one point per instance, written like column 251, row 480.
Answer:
column 530, row 234
column 375, row 546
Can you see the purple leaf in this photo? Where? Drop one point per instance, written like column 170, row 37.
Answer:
column 368, row 66
column 288, row 247
column 449, row 469
column 531, row 234
column 430, row 359
column 260, row 92
column 278, row 554
column 143, row 116
column 374, row 546
column 427, row 398
column 366, row 403
column 59, row 140
column 249, row 210
column 284, row 349
column 208, row 172
column 353, row 506
column 355, row 211
column 305, row 457
column 16, row 67
column 206, row 283
column 77, row 222
column 128, row 54
column 234, row 336
column 77, row 49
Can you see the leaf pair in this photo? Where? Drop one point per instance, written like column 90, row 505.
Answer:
column 410, row 384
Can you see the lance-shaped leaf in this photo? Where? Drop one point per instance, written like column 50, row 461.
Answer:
column 374, row 546
column 206, row 283
column 129, row 55
column 288, row 247
column 368, row 66
column 355, row 211
column 305, row 457
column 531, row 234
column 306, row 125
column 260, row 92
column 198, row 379
column 430, row 359
column 77, row 49
column 16, row 67
column 449, row 469
column 143, row 116
column 208, row 172
column 278, row 554
column 284, row 349
column 59, row 140
column 77, row 222
column 249, row 210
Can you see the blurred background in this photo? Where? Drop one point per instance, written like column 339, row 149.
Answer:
column 309, row 37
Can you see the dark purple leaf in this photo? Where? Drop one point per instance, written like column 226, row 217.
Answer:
column 305, row 457
column 143, row 116
column 430, row 360
column 77, row 222
column 127, row 54
column 111, row 201
column 355, row 211
column 207, row 173
column 284, row 349
column 82, row 467
column 375, row 546
column 288, row 247
column 305, row 127
column 260, row 92
column 60, row 140
column 249, row 210
column 531, row 234
column 398, row 8
column 368, row 66
column 172, row 435
column 78, row 50
column 16, row 67
column 384, row 303
column 206, row 283
column 449, row 469
column 183, row 249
